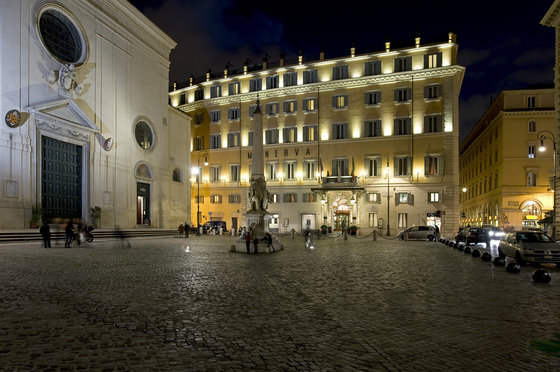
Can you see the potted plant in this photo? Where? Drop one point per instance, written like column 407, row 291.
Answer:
column 323, row 229
column 329, row 229
column 36, row 216
column 95, row 215
column 353, row 230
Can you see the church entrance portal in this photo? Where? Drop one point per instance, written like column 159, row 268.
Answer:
column 143, row 207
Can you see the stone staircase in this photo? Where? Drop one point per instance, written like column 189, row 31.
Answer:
column 21, row 235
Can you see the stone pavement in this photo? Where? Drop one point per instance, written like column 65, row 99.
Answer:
column 191, row 305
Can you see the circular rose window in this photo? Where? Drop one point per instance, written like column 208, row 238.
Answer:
column 144, row 135
column 61, row 36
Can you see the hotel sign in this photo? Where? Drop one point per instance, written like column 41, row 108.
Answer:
column 279, row 152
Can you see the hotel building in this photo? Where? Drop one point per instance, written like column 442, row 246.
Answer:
column 506, row 181
column 367, row 140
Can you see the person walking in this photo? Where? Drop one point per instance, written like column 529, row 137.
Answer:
column 181, row 230
column 256, row 243
column 268, row 240
column 69, row 231
column 436, row 232
column 187, row 228
column 45, row 231
column 248, row 241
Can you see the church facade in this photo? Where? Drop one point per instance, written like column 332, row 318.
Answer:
column 88, row 133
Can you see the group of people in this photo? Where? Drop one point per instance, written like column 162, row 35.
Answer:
column 250, row 236
column 72, row 232
column 184, row 230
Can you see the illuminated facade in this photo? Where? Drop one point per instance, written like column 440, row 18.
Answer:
column 331, row 126
column 507, row 182
column 84, row 94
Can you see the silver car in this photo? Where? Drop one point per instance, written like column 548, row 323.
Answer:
column 419, row 232
column 529, row 246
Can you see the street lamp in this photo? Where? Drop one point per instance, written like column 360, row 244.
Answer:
column 198, row 172
column 388, row 198
column 542, row 135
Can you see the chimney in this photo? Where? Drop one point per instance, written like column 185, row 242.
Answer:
column 387, row 46
column 452, row 38
column 208, row 74
column 282, row 57
column 353, row 50
column 191, row 80
column 322, row 54
column 300, row 57
column 417, row 40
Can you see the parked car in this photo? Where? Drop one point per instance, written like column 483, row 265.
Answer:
column 530, row 246
column 495, row 233
column 473, row 235
column 419, row 232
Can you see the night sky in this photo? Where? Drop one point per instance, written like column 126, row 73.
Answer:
column 501, row 43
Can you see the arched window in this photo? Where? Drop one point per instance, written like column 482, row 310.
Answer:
column 531, row 179
column 144, row 135
column 532, row 126
column 177, row 175
column 144, row 171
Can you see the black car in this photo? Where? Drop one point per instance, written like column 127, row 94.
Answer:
column 473, row 235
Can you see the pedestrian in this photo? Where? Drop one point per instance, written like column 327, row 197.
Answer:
column 45, row 231
column 187, row 228
column 268, row 240
column 256, row 243
column 248, row 241
column 436, row 232
column 69, row 231
column 181, row 230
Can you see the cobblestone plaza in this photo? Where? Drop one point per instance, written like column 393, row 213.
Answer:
column 190, row 304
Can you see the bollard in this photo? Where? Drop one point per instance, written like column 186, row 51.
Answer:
column 486, row 257
column 345, row 235
column 374, row 235
column 406, row 235
column 475, row 253
column 513, row 267
column 541, row 276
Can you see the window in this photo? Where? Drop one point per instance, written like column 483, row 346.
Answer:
column 234, row 199
column 272, row 109
column 289, row 135
column 532, row 126
column 340, row 131
column 340, row 101
column 215, row 141
column 199, row 94
column 403, row 64
column 255, row 85
column 198, row 118
column 252, row 109
column 309, row 169
column 432, row 60
column 373, row 197
column 531, row 179
column 310, row 133
column 372, row 128
column 270, row 171
column 199, row 199
column 198, row 143
column 432, row 165
column 372, row 68
column 216, row 199
column 290, row 79
column 216, row 91
column 403, row 94
column 290, row 107
column 144, row 135
column 274, row 198
column 250, row 139
column 340, row 72
column 373, row 219
column 290, row 170
column 176, row 175
column 272, row 82
column 432, row 91
column 309, row 104
column 310, row 76
column 373, row 167
column 531, row 151
column 234, row 172
column 402, row 220
column 373, row 98
column 309, row 197
column 432, row 123
column 233, row 113
column 233, row 139
column 402, row 197
column 215, row 116
column 215, row 173
column 531, row 102
column 61, row 36
column 271, row 136
column 434, row 197
column 402, row 126
column 182, row 99
column 403, row 166
column 340, row 167
column 290, row 198
column 234, row 88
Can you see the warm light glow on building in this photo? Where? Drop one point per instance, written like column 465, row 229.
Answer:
column 447, row 126
column 325, row 134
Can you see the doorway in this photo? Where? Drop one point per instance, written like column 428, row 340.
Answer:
column 143, row 204
column 341, row 219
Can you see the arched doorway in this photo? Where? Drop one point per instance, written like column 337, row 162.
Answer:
column 341, row 211
column 531, row 211
column 144, row 176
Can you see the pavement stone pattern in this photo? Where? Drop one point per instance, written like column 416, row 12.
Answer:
column 192, row 305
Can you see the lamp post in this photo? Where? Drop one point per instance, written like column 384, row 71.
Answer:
column 542, row 135
column 198, row 171
column 388, row 199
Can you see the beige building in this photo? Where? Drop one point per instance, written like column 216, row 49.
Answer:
column 331, row 128
column 506, row 179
